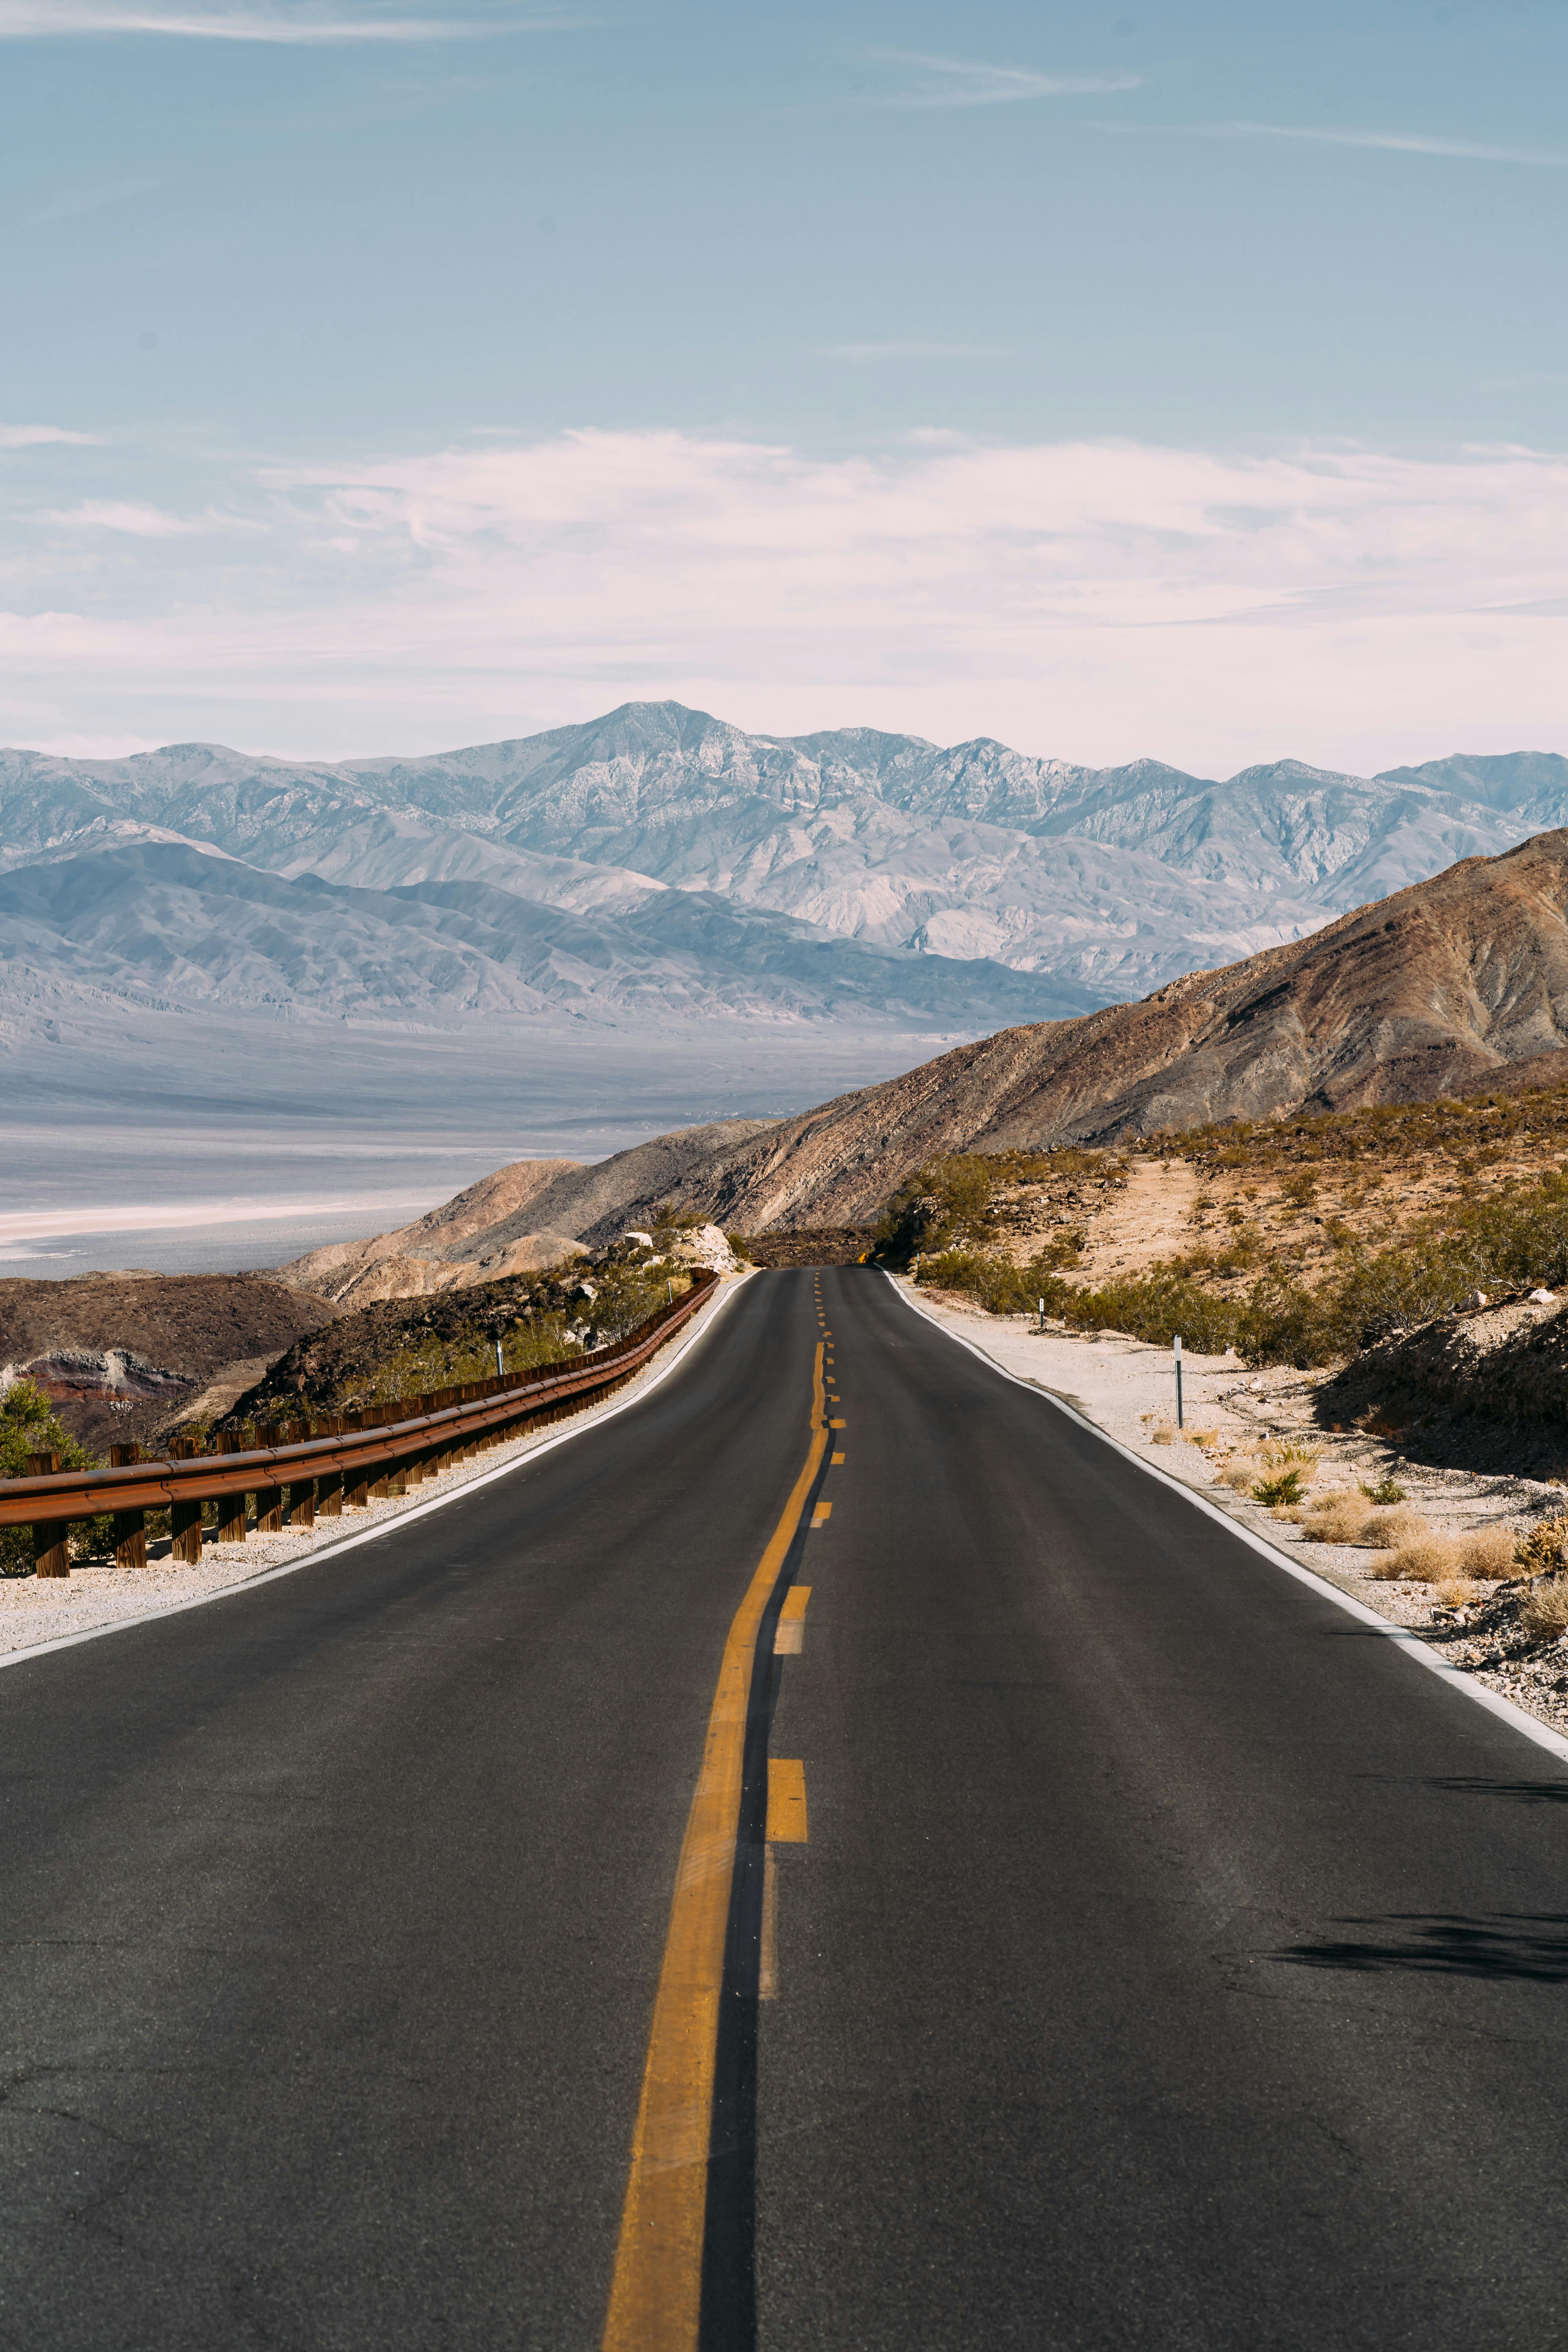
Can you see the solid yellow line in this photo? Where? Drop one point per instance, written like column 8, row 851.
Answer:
column 654, row 2294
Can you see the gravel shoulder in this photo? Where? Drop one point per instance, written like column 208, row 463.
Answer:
column 1127, row 1388
column 97, row 1594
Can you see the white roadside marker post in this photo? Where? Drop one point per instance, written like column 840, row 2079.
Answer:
column 1042, row 1314
column 1179, row 1423
column 500, row 1368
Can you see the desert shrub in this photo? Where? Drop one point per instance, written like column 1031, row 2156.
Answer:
column 1456, row 1592
column 1283, row 1487
column 987, row 1276
column 1155, row 1306
column 1338, row 1518
column 1387, row 1491
column 1388, row 1531
column 28, row 1425
column 1543, row 1546
column 1426, row 1559
column 1543, row 1611
column 943, row 1202
column 1488, row 1554
column 741, row 1245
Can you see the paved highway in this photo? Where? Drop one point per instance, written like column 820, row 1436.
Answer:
column 1153, row 1955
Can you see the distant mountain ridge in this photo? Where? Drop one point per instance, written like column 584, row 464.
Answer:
column 1108, row 882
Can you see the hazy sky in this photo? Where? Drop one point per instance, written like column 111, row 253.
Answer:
column 1178, row 379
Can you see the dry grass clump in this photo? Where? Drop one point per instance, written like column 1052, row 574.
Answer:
column 1241, row 1473
column 1488, row 1554
column 1388, row 1531
column 1339, row 1518
column 1545, row 1546
column 1204, row 1437
column 1544, row 1611
column 1457, row 1592
column 1282, row 1453
column 1424, row 1559
column 1163, row 1433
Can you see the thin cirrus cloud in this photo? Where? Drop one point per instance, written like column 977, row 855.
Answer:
column 1396, row 143
column 40, row 436
column 1352, row 606
column 137, row 520
column 55, row 19
column 929, row 81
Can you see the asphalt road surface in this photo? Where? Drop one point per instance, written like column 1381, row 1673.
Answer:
column 1169, row 1961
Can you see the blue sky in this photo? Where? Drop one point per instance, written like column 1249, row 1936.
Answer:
column 272, row 262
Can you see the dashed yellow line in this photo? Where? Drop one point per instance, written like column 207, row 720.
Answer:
column 655, row 2291
column 787, row 1800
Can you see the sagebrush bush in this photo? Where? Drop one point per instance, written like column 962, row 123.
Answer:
column 1543, row 1611
column 1488, row 1554
column 1339, row 1519
column 1425, row 1560
column 1543, row 1546
column 1386, row 1530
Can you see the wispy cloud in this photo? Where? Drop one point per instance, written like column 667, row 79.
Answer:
column 1096, row 598
column 1397, row 142
column 861, row 354
column 55, row 19
column 72, row 202
column 136, row 519
column 960, row 81
column 36, row 437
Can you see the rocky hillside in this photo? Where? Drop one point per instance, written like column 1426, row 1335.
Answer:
column 528, row 1215
column 121, row 1356
column 1483, row 1389
column 1418, row 994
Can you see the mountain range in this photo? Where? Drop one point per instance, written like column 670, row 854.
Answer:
column 657, row 862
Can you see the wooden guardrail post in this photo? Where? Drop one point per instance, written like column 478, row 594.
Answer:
column 330, row 1485
column 356, row 1482
column 130, row 1526
column 185, row 1517
column 49, row 1536
column 268, row 1499
column 231, row 1526
column 301, row 1491
column 379, row 1485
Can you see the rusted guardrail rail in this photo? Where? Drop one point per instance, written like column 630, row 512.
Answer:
column 298, row 1470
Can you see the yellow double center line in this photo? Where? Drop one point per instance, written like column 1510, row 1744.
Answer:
column 655, row 2294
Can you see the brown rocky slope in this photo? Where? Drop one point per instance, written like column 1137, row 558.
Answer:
column 1418, row 994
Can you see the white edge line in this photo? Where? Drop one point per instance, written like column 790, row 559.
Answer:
column 593, row 1417
column 1541, row 1734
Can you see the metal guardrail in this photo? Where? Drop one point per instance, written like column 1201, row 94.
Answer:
column 333, row 1462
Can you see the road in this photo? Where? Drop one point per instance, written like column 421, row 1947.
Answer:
column 1168, row 1961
